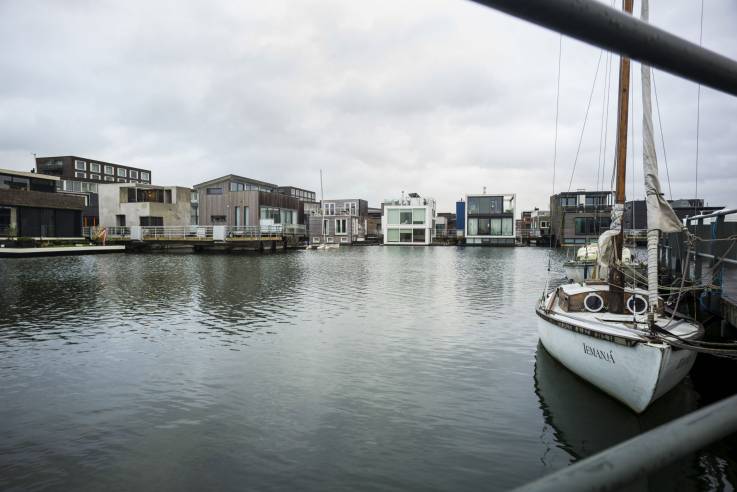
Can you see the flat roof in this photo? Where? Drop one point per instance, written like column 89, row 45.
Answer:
column 28, row 175
column 87, row 159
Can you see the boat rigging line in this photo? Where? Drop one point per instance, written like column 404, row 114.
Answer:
column 698, row 112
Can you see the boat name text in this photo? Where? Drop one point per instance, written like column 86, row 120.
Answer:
column 594, row 352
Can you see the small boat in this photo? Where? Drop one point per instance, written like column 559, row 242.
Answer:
column 586, row 266
column 617, row 353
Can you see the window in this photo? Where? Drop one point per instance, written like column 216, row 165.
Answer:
column 238, row 216
column 214, row 191
column 316, row 240
column 392, row 235
column 418, row 235
column 418, row 215
column 507, row 227
column 77, row 174
column 329, row 239
column 326, row 226
column 94, row 167
column 344, row 240
column 405, row 217
column 330, row 209
column 393, row 216
column 108, row 170
column 121, row 172
column 340, row 226
column 568, row 201
column 473, row 227
column 217, row 219
column 133, row 174
column 271, row 213
column 121, row 180
column 120, row 220
column 246, row 219
column 485, row 226
column 543, row 224
column 95, row 176
column 109, row 178
column 405, row 235
column 88, row 187
column 237, row 186
column 152, row 221
column 145, row 176
column 80, row 165
column 585, row 226
column 596, row 200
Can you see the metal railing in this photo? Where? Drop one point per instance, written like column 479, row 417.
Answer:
column 640, row 456
column 196, row 232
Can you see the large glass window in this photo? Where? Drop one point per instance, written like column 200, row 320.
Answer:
column 214, row 191
column 585, row 225
column 595, row 200
column 122, row 173
column 238, row 216
column 507, row 226
column 237, row 186
column 133, row 174
column 405, row 217
column 393, row 216
column 568, row 201
column 473, row 227
column 108, row 170
column 418, row 215
column 392, row 235
column 145, row 176
column 418, row 235
column 405, row 235
column 80, row 165
column 340, row 226
column 485, row 226
column 94, row 167
column 152, row 221
column 8, row 182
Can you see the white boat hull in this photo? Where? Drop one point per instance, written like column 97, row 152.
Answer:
column 636, row 374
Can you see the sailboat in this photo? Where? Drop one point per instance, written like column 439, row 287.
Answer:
column 586, row 265
column 324, row 244
column 616, row 337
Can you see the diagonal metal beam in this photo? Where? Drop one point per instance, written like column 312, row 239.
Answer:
column 600, row 25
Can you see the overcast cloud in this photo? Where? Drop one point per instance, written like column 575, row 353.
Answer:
column 441, row 97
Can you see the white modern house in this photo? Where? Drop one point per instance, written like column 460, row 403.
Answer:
column 138, row 204
column 409, row 220
column 490, row 219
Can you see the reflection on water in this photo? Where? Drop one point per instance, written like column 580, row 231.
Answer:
column 381, row 368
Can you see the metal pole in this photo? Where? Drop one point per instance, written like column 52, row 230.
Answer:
column 638, row 457
column 597, row 24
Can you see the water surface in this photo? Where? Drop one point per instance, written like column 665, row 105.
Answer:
column 371, row 368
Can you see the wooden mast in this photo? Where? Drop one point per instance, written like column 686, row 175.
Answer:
column 616, row 276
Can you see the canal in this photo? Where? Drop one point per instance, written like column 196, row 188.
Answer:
column 373, row 368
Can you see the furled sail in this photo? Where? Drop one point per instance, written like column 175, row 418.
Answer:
column 660, row 215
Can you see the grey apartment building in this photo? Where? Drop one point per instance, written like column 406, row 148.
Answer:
column 579, row 217
column 81, row 176
column 239, row 201
column 342, row 221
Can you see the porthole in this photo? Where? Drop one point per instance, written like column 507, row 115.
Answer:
column 637, row 304
column 593, row 303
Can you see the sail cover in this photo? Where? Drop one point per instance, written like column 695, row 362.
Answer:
column 660, row 215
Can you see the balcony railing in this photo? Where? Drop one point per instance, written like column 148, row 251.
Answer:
column 195, row 232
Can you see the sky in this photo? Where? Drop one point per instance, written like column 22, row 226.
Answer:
column 438, row 97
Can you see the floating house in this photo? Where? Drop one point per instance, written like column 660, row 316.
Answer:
column 409, row 220
column 489, row 219
column 342, row 221
column 137, row 204
column 579, row 217
column 30, row 206
column 239, row 201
